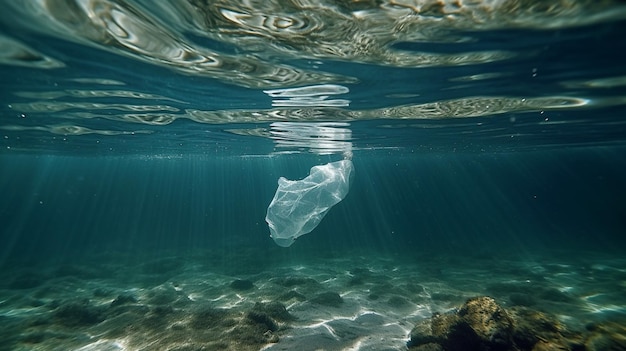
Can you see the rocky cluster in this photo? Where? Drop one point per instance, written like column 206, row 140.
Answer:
column 481, row 324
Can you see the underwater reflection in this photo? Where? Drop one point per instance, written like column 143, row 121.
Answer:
column 247, row 43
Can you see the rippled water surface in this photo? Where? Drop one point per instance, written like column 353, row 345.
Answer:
column 171, row 77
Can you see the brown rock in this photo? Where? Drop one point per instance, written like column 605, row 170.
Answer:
column 607, row 336
column 480, row 324
column 489, row 321
column 422, row 334
column 483, row 325
column 429, row 347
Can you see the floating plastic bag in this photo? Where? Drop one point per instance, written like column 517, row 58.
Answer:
column 299, row 205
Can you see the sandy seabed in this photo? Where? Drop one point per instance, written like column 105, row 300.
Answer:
column 245, row 301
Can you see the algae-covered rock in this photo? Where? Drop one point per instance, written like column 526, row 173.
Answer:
column 328, row 298
column 268, row 314
column 77, row 313
column 241, row 284
column 262, row 319
column 274, row 309
column 489, row 321
column 481, row 324
column 606, row 336
column 454, row 333
column 429, row 347
column 422, row 334
column 531, row 326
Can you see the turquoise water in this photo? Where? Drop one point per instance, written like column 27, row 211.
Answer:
column 141, row 145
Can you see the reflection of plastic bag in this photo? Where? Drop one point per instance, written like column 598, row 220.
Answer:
column 299, row 206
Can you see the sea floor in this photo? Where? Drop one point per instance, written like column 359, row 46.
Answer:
column 352, row 301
